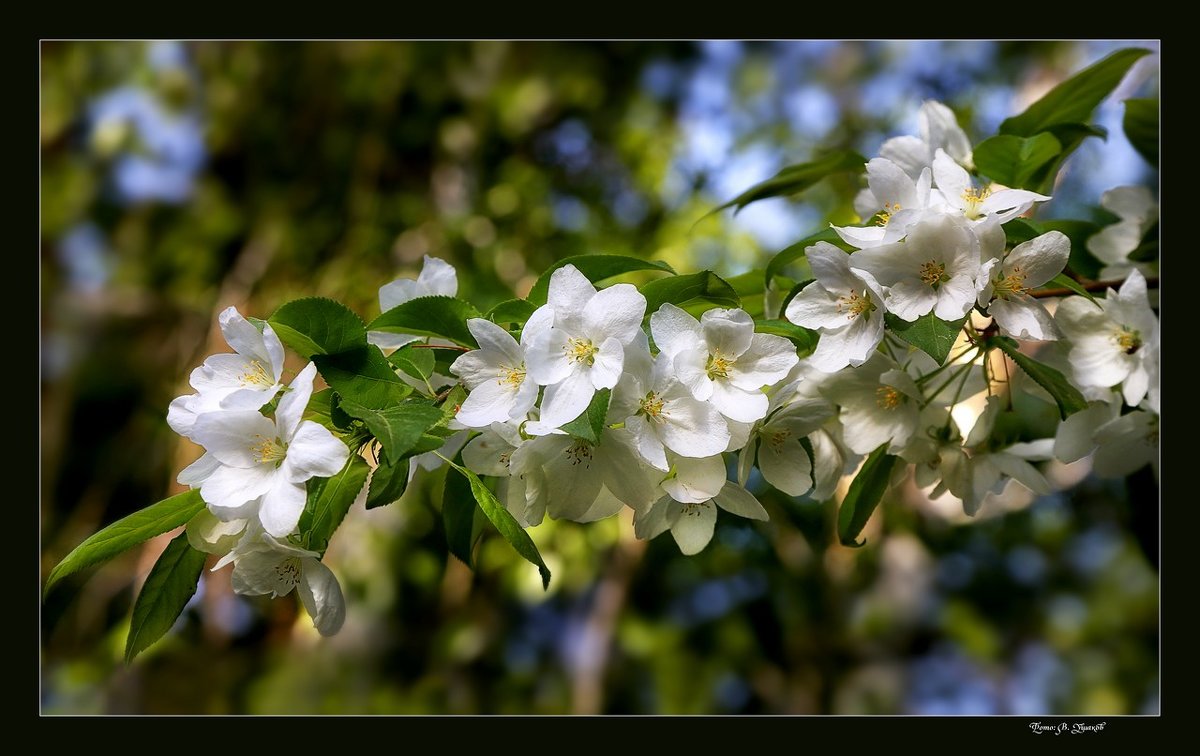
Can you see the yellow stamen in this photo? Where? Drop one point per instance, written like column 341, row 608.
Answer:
column 269, row 450
column 934, row 273
column 974, row 198
column 855, row 304
column 513, row 376
column 581, row 350
column 652, row 407
column 718, row 366
column 1012, row 284
column 888, row 398
column 1129, row 340
column 256, row 375
column 887, row 212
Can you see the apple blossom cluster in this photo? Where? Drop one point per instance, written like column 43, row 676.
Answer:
column 902, row 352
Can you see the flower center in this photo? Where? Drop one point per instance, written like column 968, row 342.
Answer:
column 256, row 375
column 269, row 450
column 888, row 398
column 581, row 350
column 854, row 304
column 653, row 407
column 1129, row 340
column 934, row 273
column 512, row 376
column 691, row 510
column 718, row 366
column 887, row 212
column 1012, row 284
column 288, row 573
column 580, row 453
column 777, row 438
column 974, row 198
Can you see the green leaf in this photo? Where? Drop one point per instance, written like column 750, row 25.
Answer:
column 169, row 586
column 704, row 286
column 1066, row 396
column 1020, row 230
column 750, row 288
column 1141, row 126
column 1073, row 100
column 1063, row 281
column 796, row 252
column 328, row 501
column 430, row 316
column 513, row 311
column 930, row 334
column 866, row 491
column 126, row 533
column 317, row 325
column 398, row 427
column 462, row 518
column 1070, row 136
column 590, row 424
column 596, row 268
column 804, row 339
column 388, row 483
column 505, row 523
column 319, row 408
column 417, row 362
column 796, row 178
column 1013, row 160
column 363, row 376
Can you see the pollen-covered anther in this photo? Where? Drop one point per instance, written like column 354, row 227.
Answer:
column 777, row 438
column 1129, row 340
column 1012, row 284
column 268, row 450
column 887, row 212
column 256, row 375
column 652, row 407
column 717, row 366
column 934, row 273
column 512, row 376
column 973, row 199
column 854, row 304
column 887, row 397
column 581, row 350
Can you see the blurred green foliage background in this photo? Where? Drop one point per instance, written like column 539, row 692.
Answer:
column 178, row 179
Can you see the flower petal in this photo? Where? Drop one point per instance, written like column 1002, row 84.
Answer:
column 493, row 338
column 566, row 400
column 282, row 506
column 230, row 435
column 321, row 595
column 229, row 489
column 1023, row 317
column 674, row 330
column 695, row 480
column 766, row 361
column 608, row 363
column 737, row 404
column 438, row 277
column 728, row 332
column 785, row 465
column 197, row 472
column 1039, row 259
column 615, row 312
column 696, row 429
column 816, row 307
column 294, row 402
column 737, row 500
column 693, row 528
column 314, row 452
column 569, row 293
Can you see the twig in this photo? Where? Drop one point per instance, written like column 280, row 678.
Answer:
column 1151, row 283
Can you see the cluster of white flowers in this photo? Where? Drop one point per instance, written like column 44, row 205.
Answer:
column 254, row 468
column 597, row 405
column 671, row 412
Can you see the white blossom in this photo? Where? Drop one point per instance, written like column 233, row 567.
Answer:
column 989, row 203
column 1138, row 212
column 495, row 374
column 721, row 359
column 1005, row 285
column 264, row 463
column 692, row 523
